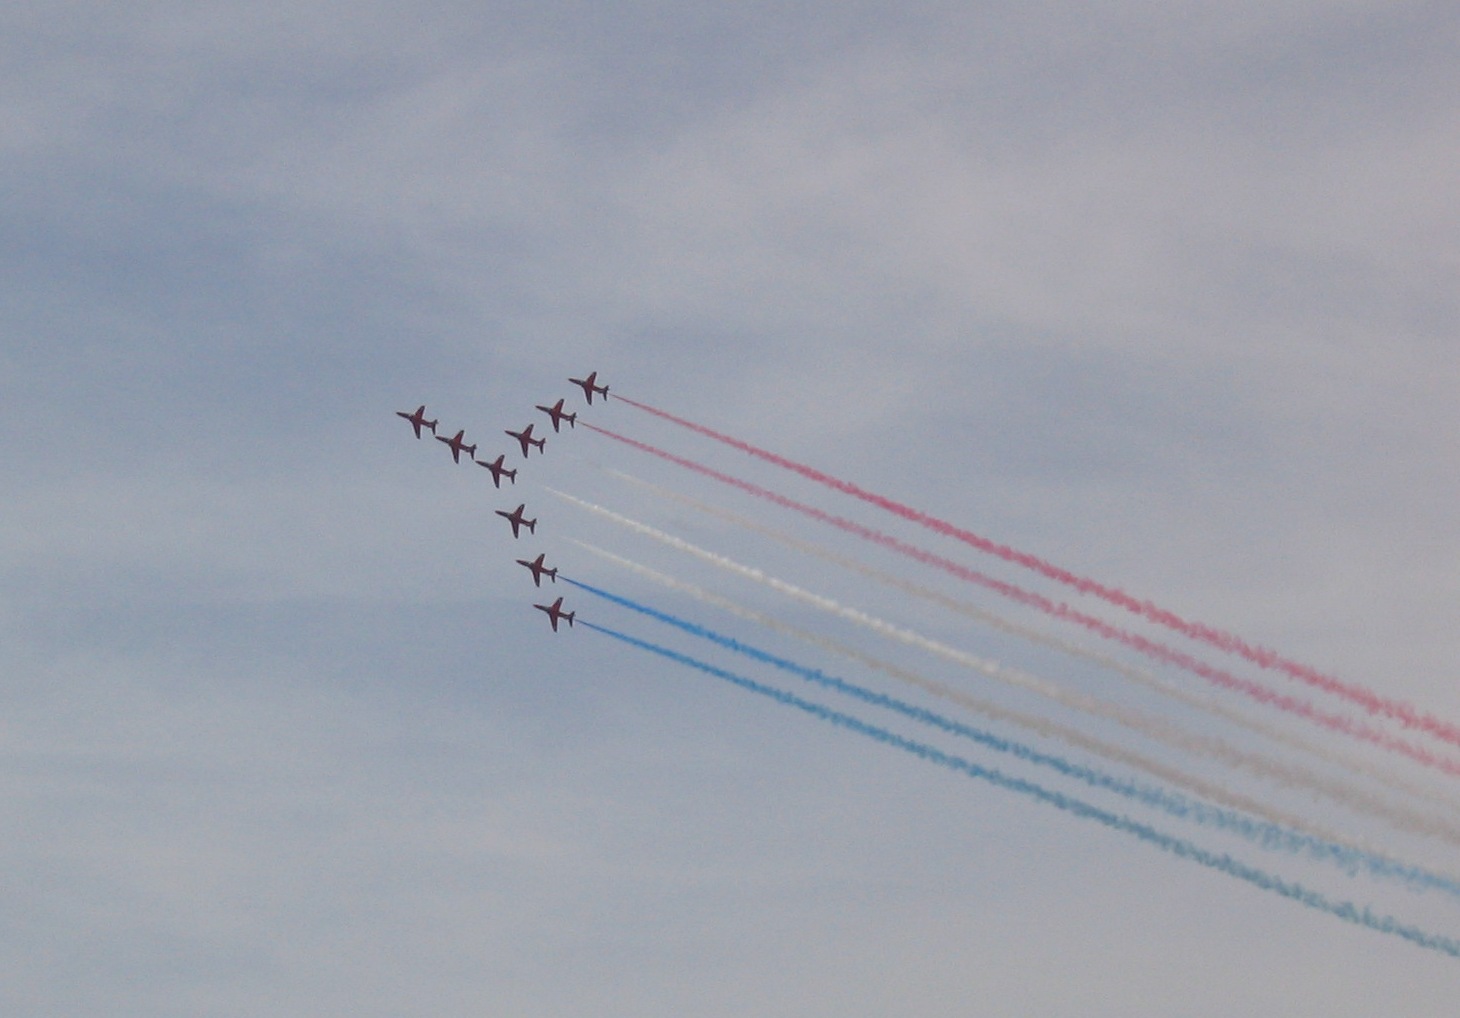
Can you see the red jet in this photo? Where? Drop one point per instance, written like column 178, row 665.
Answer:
column 556, row 413
column 418, row 419
column 525, row 437
column 589, row 388
column 555, row 612
column 458, row 446
column 516, row 519
column 539, row 570
column 498, row 471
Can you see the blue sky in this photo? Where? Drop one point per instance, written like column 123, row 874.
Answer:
column 1165, row 293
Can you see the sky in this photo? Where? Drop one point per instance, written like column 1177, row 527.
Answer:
column 1163, row 293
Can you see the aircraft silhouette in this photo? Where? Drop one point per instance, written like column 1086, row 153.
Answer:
column 555, row 612
column 525, row 437
column 418, row 419
column 589, row 388
column 516, row 519
column 539, row 570
column 498, row 471
column 458, row 446
column 556, row 413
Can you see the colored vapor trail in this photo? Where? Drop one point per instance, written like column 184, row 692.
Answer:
column 1038, row 725
column 1155, row 728
column 1196, row 770
column 1179, row 847
column 1371, row 702
column 1268, row 835
column 1157, row 651
column 1046, row 639
column 988, row 618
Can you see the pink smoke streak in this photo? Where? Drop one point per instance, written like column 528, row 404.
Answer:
column 1059, row 610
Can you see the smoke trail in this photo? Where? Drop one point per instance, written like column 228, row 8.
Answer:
column 1268, row 835
column 1181, row 848
column 994, row 621
column 988, row 618
column 1038, row 725
column 1370, row 701
column 1154, row 728
column 1150, row 648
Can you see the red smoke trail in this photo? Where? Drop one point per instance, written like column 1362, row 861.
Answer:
column 1059, row 610
column 1370, row 701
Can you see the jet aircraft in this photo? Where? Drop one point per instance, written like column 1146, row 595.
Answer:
column 498, row 471
column 525, row 437
column 589, row 388
column 418, row 419
column 518, row 521
column 539, row 570
column 458, row 446
column 555, row 612
column 556, row 413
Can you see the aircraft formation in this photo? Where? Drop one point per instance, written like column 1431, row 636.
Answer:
column 1188, row 785
column 517, row 517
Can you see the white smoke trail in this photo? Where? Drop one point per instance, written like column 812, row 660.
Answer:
column 1038, row 725
column 1045, row 727
column 1181, row 848
column 1154, row 728
column 1138, row 675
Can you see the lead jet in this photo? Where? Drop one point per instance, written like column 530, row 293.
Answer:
column 556, row 413
column 525, row 437
column 498, row 471
column 458, row 446
column 516, row 519
column 555, row 612
column 539, row 570
column 418, row 419
column 589, row 388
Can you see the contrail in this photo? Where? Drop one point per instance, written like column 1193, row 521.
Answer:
column 995, row 621
column 1150, row 648
column 1038, row 725
column 1373, row 703
column 1269, row 835
column 988, row 618
column 1154, row 728
column 1345, row 910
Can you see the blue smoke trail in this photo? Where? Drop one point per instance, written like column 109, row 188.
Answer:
column 1345, row 910
column 1268, row 835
